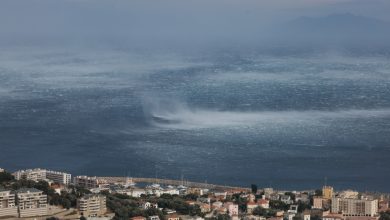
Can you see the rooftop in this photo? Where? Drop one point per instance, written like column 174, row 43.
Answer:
column 28, row 190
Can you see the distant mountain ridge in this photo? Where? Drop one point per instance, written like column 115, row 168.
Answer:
column 338, row 28
column 337, row 21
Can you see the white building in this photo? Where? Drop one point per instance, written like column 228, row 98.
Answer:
column 137, row 192
column 231, row 208
column 286, row 199
column 1, row 170
column 30, row 174
column 148, row 205
column 59, row 177
column 92, row 205
column 7, row 204
column 354, row 207
column 31, row 202
column 43, row 174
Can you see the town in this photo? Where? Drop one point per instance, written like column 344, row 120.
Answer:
column 46, row 194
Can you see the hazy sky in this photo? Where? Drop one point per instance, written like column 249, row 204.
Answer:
column 168, row 19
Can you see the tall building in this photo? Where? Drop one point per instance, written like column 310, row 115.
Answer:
column 59, row 177
column 30, row 174
column 86, row 182
column 355, row 207
column 327, row 192
column 7, row 204
column 43, row 174
column 92, row 205
column 31, row 202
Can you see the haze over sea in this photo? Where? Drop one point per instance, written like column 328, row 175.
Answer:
column 277, row 93
column 286, row 121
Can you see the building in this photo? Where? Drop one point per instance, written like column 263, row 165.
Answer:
column 138, row 218
column 31, row 202
column 42, row 174
column 268, row 192
column 92, row 205
column 196, row 191
column 7, row 204
column 293, row 209
column 86, row 182
column 154, row 217
column 355, row 207
column 327, row 192
column 333, row 216
column 263, row 203
column 250, row 206
column 148, row 205
column 231, row 208
column 349, row 194
column 1, row 170
column 172, row 217
column 59, row 177
column 286, row 199
column 31, row 174
column 320, row 203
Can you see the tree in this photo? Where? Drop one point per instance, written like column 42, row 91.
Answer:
column 254, row 188
column 318, row 192
column 223, row 217
column 83, row 218
column 302, row 206
column 259, row 211
column 5, row 177
column 384, row 215
column 278, row 205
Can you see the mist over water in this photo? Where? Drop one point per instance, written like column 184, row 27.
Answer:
column 227, row 118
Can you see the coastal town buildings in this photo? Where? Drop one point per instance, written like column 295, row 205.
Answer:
column 86, row 182
column 231, row 208
column 31, row 202
column 327, row 192
column 8, row 204
column 92, row 205
column 354, row 207
column 43, row 174
column 25, row 202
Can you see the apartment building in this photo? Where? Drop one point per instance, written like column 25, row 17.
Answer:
column 86, row 182
column 354, row 207
column 59, row 177
column 92, row 205
column 31, row 202
column 30, row 174
column 7, row 204
column 327, row 192
column 43, row 174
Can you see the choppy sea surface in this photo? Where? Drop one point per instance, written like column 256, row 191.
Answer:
column 282, row 120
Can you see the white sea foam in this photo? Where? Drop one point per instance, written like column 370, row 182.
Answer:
column 181, row 117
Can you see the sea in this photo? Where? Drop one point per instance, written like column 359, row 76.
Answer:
column 278, row 117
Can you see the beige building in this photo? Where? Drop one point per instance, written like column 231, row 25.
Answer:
column 86, row 182
column 31, row 202
column 30, row 174
column 327, row 192
column 43, row 174
column 320, row 203
column 92, row 205
column 8, row 204
column 355, row 207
